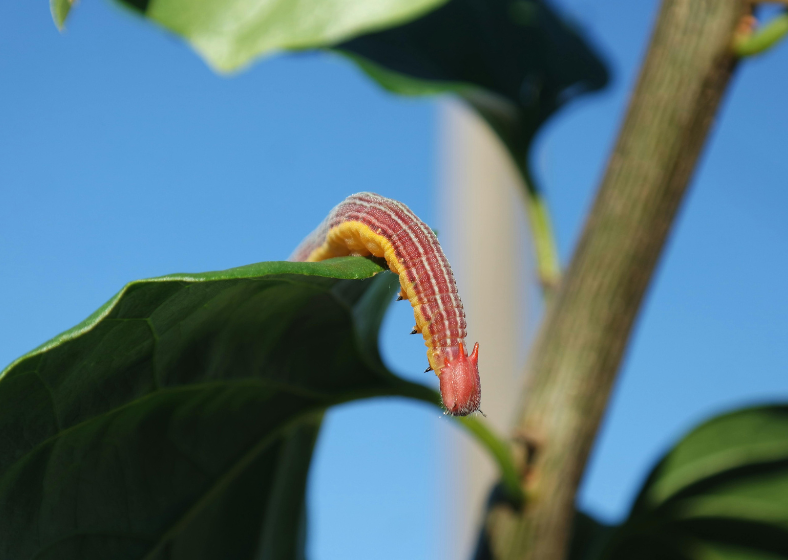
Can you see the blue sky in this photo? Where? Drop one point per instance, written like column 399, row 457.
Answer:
column 122, row 157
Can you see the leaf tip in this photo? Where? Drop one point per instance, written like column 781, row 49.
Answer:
column 60, row 10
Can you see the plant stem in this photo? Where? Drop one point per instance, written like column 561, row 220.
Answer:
column 585, row 331
column 763, row 39
column 500, row 451
column 496, row 446
column 547, row 262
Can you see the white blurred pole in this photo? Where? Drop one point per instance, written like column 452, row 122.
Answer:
column 483, row 231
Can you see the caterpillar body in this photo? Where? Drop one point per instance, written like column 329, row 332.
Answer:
column 369, row 224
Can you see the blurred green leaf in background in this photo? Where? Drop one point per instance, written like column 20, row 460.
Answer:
column 230, row 34
column 515, row 61
column 720, row 494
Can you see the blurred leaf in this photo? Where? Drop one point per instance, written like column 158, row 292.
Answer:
column 713, row 551
column 59, row 9
column 515, row 61
column 230, row 34
column 178, row 420
column 724, row 449
column 589, row 537
column 743, row 536
column 721, row 493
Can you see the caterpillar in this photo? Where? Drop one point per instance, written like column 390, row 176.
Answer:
column 369, row 224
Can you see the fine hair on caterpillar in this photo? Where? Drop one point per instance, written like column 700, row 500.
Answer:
column 369, row 224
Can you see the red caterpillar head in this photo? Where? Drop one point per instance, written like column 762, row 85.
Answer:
column 460, row 386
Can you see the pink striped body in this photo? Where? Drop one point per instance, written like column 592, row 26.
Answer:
column 367, row 223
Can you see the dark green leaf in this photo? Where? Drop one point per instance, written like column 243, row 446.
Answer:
column 651, row 547
column 721, row 493
column 178, row 420
column 743, row 534
column 515, row 61
column 589, row 537
column 716, row 551
column 727, row 448
column 230, row 34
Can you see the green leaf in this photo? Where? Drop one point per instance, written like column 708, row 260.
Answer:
column 589, row 537
column 714, row 551
column 60, row 10
column 178, row 420
column 515, row 61
column 230, row 34
column 721, row 493
column 724, row 449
